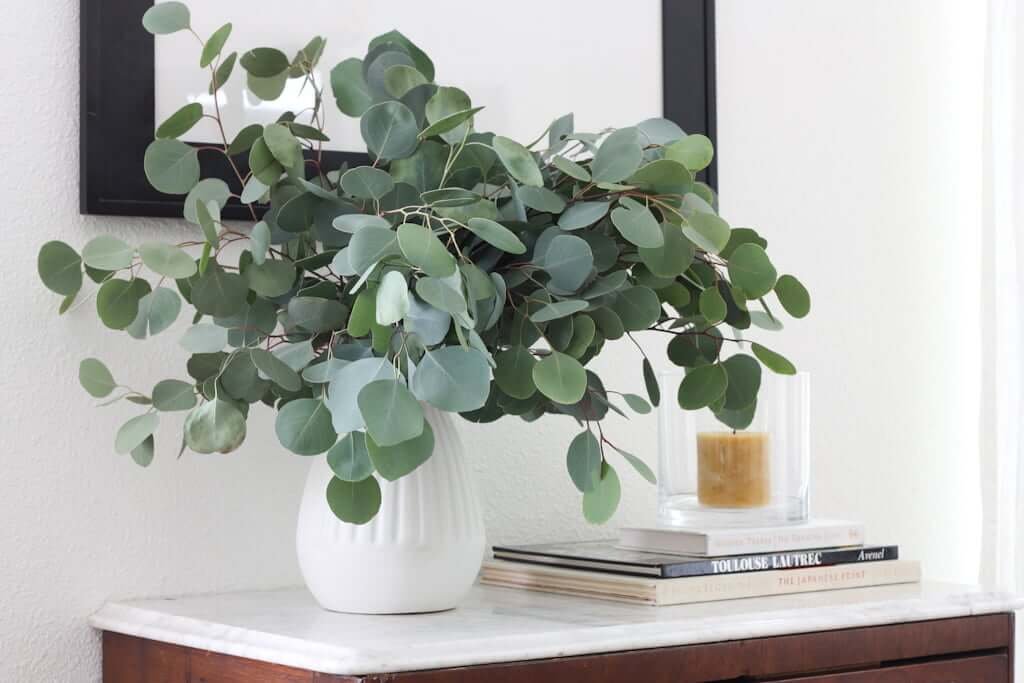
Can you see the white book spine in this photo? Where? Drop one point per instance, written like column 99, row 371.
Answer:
column 780, row 539
column 787, row 581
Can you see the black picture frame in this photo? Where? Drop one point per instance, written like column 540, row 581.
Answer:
column 118, row 94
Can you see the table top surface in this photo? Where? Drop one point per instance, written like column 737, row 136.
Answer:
column 499, row 624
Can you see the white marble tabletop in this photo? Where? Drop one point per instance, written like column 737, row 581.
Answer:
column 500, row 624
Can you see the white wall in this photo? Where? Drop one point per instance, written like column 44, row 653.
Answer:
column 846, row 133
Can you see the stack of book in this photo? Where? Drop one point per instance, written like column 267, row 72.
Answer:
column 666, row 566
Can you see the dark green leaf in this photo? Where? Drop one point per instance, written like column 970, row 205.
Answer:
column 276, row 370
column 793, row 296
column 181, row 121
column 264, row 62
column 117, row 302
column 453, row 379
column 751, row 270
column 651, row 383
column 744, row 381
column 317, row 315
column 773, row 361
column 350, row 90
column 518, row 161
column 223, row 73
column 394, row 462
column 423, row 249
column 60, row 268
column 702, row 386
column 637, row 307
column 497, row 235
column 354, row 502
column 391, row 413
column 599, row 505
column 584, row 461
column 389, row 130
column 214, row 45
column 219, row 293
column 618, row 157
column 561, row 378
column 637, row 224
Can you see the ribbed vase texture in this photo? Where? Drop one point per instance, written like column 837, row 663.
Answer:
column 422, row 551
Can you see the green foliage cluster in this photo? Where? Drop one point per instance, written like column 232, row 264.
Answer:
column 461, row 269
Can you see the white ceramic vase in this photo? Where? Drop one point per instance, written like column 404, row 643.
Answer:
column 422, row 551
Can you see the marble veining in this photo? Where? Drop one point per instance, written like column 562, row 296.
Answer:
column 499, row 624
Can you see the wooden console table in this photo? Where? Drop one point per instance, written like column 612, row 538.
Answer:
column 934, row 633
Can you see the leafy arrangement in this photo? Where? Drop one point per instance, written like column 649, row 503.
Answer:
column 460, row 269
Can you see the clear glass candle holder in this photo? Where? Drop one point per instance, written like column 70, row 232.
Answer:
column 710, row 475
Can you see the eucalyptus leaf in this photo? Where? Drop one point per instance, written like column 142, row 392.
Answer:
column 354, row 502
column 702, row 386
column 181, row 121
column 106, row 252
column 599, row 505
column 171, row 166
column 424, row 250
column 561, row 378
column 60, row 268
column 304, row 427
column 392, row 298
column 349, row 458
column 166, row 17
column 518, row 161
column 453, row 379
column 95, row 378
column 344, row 388
column 394, row 462
column 172, row 394
column 793, row 296
column 135, row 431
column 390, row 130
column 391, row 412
column 496, row 234
column 584, row 461
column 772, row 360
column 167, row 260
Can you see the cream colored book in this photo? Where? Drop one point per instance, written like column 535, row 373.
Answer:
column 690, row 589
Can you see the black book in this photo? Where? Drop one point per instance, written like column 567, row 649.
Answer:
column 605, row 556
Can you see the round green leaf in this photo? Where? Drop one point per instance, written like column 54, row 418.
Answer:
column 366, row 182
column 282, row 144
column 369, row 245
column 207, row 189
column 452, row 378
column 354, row 222
column 637, row 307
column 541, row 199
column 204, row 338
column 181, row 121
column 214, row 45
column 219, row 293
column 304, row 427
column 773, row 361
column 496, row 234
column 60, row 268
column 344, row 388
column 167, row 260
column 157, row 311
column 600, row 504
column 389, row 130
column 349, row 459
column 442, row 105
column 171, row 166
column 107, row 253
column 173, row 394
column 354, row 502
column 582, row 214
column 271, row 278
column 264, row 62
column 391, row 413
column 712, row 305
column 276, row 370
column 317, row 315
column 694, row 152
column 569, row 261
column 351, row 93
column 618, row 157
column 442, row 294
column 751, row 270
column 514, row 372
column 637, row 224
column 419, row 58
column 444, row 126
column 134, row 432
column 702, row 386
column 662, row 176
column 216, row 426
column 423, row 249
column 166, row 17
column 673, row 257
column 117, row 302
column 744, row 375
column 518, row 161
column 793, row 296
column 401, row 78
column 561, row 378
column 584, row 461
column 394, row 462
column 707, row 231
column 95, row 378
column 267, row 89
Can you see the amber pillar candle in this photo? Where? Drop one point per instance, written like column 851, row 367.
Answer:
column 733, row 469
